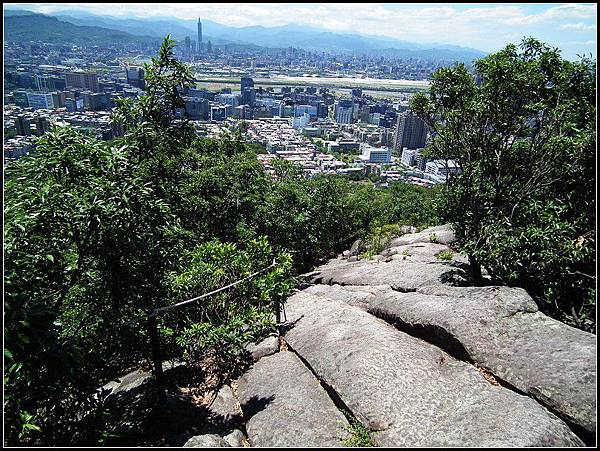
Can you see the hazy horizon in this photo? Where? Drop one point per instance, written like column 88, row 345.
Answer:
column 486, row 27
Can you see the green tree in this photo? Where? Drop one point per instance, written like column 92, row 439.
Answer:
column 523, row 132
column 87, row 244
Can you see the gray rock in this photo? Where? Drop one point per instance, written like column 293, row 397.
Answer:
column 128, row 382
column 409, row 392
column 137, row 378
column 501, row 329
column 287, row 406
column 440, row 234
column 206, row 441
column 225, row 406
column 420, row 252
column 235, row 439
column 357, row 247
column 402, row 275
column 346, row 254
column 268, row 346
column 405, row 229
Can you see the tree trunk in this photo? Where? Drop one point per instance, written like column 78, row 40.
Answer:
column 475, row 271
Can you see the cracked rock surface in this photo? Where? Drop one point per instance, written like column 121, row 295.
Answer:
column 286, row 405
column 407, row 347
column 409, row 392
column 501, row 330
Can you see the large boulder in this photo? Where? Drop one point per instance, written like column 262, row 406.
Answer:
column 206, row 441
column 407, row 391
column 357, row 247
column 225, row 409
column 287, row 407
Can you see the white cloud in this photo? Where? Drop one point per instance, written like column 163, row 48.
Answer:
column 481, row 26
column 580, row 26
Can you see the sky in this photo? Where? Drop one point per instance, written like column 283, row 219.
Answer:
column 485, row 26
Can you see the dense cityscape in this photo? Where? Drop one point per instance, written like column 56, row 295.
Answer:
column 323, row 128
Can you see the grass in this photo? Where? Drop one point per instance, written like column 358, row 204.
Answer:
column 445, row 255
column 361, row 437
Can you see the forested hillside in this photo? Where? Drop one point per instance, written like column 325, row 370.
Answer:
column 28, row 26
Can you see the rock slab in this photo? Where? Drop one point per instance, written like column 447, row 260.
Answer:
column 409, row 392
column 502, row 330
column 268, row 346
column 287, row 407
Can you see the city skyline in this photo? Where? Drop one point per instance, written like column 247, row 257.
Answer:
column 488, row 27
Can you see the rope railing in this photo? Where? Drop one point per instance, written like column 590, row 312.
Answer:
column 205, row 295
column 153, row 328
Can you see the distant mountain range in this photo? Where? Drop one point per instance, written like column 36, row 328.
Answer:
column 298, row 36
column 24, row 26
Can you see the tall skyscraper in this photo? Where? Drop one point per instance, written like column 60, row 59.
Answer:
column 411, row 132
column 199, row 35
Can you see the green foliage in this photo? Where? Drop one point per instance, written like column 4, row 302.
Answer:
column 415, row 205
column 445, row 255
column 379, row 238
column 223, row 324
column 525, row 140
column 361, row 437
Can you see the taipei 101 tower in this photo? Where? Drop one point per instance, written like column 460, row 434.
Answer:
column 199, row 35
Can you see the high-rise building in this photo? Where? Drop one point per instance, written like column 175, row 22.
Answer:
column 47, row 83
column 58, row 98
column 135, row 77
column 411, row 132
column 199, row 35
column 83, row 80
column 197, row 108
column 344, row 111
column 248, row 97
column 22, row 126
column 42, row 125
column 40, row 100
column 246, row 82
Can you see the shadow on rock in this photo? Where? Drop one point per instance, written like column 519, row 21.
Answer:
column 255, row 404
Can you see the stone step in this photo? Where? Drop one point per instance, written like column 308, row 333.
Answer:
column 286, row 406
column 409, row 392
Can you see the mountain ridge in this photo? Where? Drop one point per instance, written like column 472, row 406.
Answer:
column 291, row 35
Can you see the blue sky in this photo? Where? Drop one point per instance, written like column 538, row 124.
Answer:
column 486, row 26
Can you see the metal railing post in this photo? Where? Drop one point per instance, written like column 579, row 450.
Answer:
column 156, row 358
